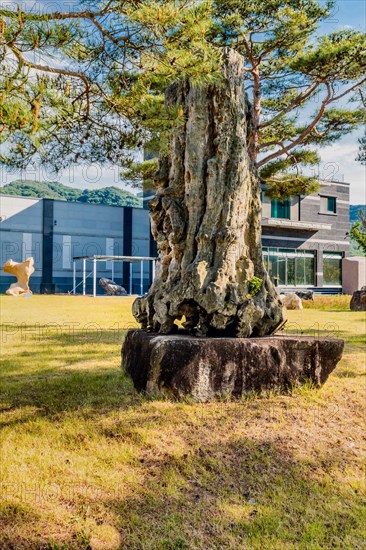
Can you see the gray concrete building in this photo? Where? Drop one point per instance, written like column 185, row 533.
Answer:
column 54, row 232
column 304, row 240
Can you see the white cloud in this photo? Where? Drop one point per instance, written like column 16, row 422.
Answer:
column 338, row 162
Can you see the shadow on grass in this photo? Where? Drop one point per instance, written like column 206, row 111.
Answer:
column 80, row 379
column 195, row 491
column 241, row 493
column 348, row 373
column 245, row 492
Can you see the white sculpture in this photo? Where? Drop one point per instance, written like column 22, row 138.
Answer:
column 22, row 271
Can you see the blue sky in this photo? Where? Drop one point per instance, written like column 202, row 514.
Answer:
column 338, row 160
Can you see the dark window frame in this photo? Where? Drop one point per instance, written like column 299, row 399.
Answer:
column 326, row 210
column 285, row 205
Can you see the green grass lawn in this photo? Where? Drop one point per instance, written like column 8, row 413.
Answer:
column 88, row 463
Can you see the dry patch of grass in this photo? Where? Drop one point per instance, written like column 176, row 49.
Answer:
column 88, row 463
column 338, row 302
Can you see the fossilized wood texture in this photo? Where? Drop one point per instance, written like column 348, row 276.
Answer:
column 22, row 271
column 206, row 219
column 204, row 369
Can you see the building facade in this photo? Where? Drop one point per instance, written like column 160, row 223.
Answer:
column 56, row 231
column 304, row 240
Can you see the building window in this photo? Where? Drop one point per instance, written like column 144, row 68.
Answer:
column 27, row 246
column 109, row 251
column 66, row 252
column 328, row 205
column 280, row 209
column 332, row 269
column 331, row 205
column 289, row 266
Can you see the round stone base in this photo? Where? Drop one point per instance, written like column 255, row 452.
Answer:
column 203, row 369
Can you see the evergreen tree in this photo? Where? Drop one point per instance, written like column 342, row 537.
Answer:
column 358, row 232
column 362, row 141
column 89, row 85
column 362, row 149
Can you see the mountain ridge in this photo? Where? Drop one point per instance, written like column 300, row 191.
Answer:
column 354, row 210
column 110, row 196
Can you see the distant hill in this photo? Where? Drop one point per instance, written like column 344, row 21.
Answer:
column 111, row 196
column 354, row 210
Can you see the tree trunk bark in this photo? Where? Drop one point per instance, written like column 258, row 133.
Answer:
column 206, row 219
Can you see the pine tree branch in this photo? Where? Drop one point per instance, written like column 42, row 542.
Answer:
column 58, row 16
column 303, row 134
column 269, row 144
column 55, row 16
column 348, row 90
column 47, row 69
column 107, row 34
column 301, row 97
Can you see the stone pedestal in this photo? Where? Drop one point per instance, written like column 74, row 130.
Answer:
column 181, row 366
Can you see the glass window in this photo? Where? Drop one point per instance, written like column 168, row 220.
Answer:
column 300, row 272
column 66, row 252
column 281, row 270
column 332, row 269
column 331, row 205
column 280, row 209
column 309, row 270
column 289, row 266
column 328, row 205
column 291, row 279
column 272, row 266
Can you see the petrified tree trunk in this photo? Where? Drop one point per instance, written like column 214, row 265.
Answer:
column 206, row 220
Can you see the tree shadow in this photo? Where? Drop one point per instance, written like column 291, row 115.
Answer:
column 243, row 493
column 60, row 373
column 239, row 493
column 348, row 373
column 21, row 514
column 198, row 491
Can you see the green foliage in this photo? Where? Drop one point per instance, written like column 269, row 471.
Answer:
column 287, row 67
column 339, row 55
column 362, row 150
column 283, row 177
column 334, row 124
column 40, row 189
column 139, row 172
column 111, row 196
column 358, row 232
column 124, row 55
column 254, row 286
column 287, row 186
